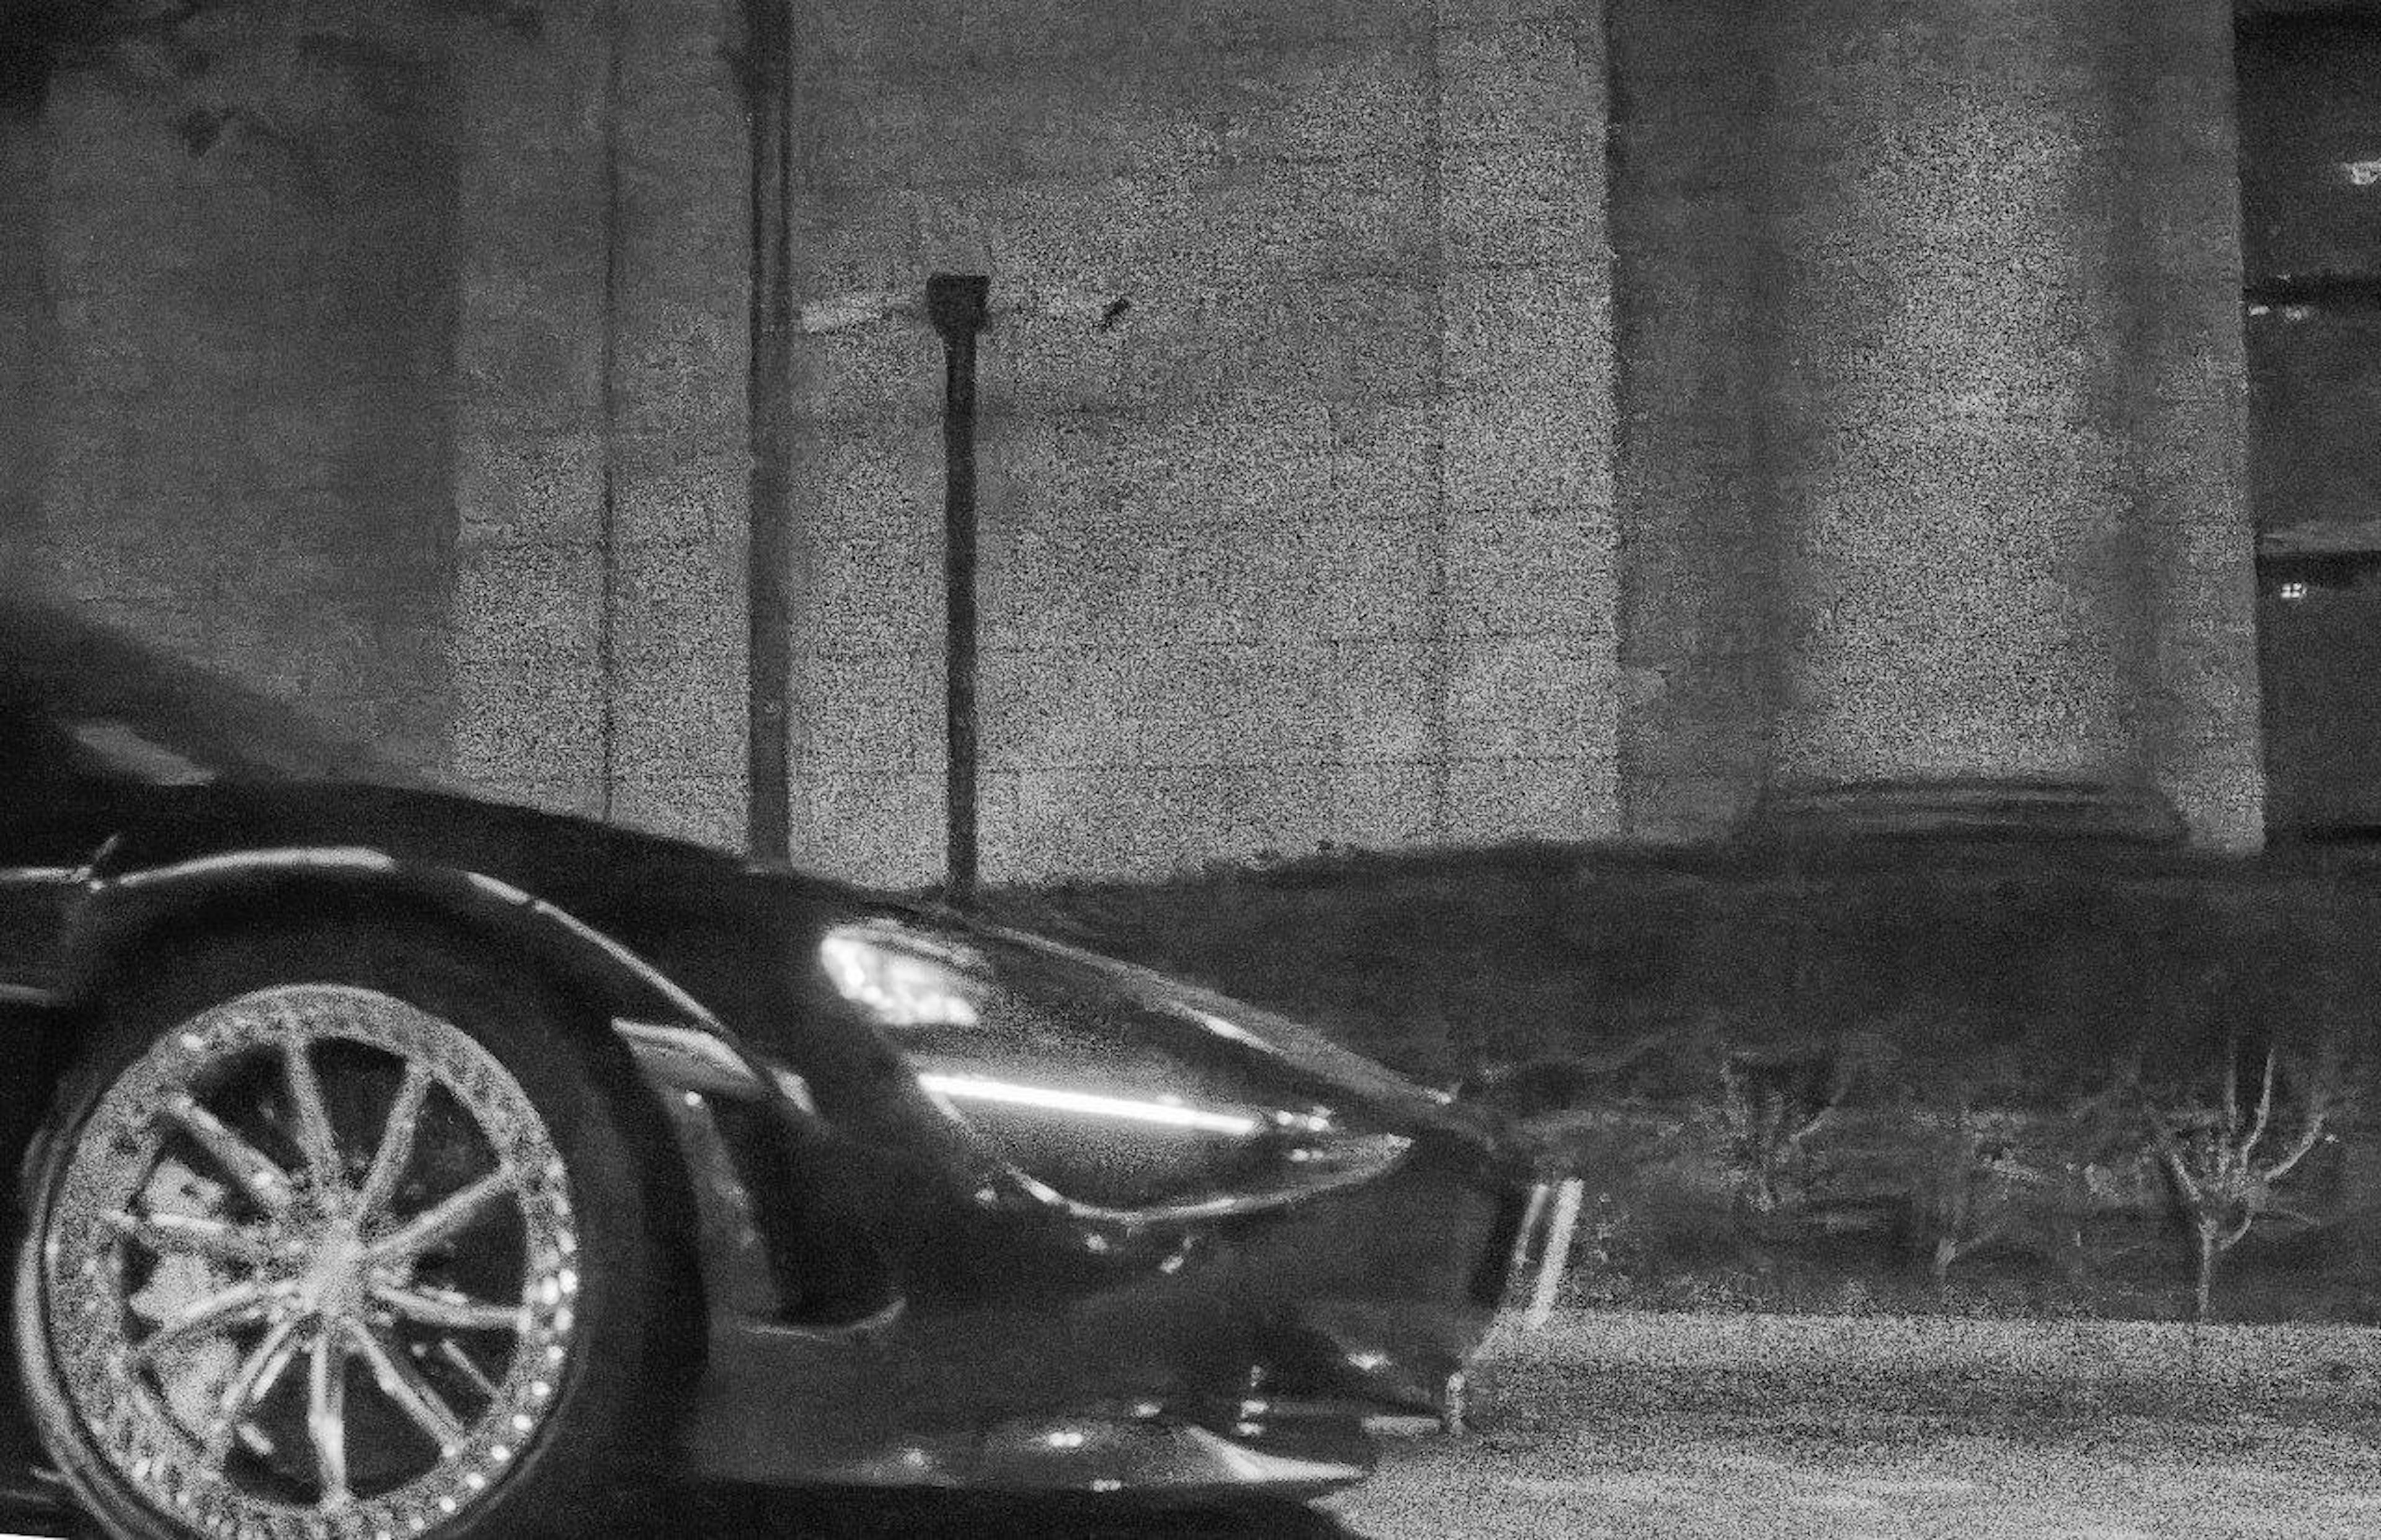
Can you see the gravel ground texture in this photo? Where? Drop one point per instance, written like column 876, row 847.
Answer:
column 1607, row 1424
column 1631, row 1424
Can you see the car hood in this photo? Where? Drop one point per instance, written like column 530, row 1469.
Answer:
column 567, row 859
column 614, row 876
column 1358, row 1081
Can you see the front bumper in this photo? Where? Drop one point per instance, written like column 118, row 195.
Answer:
column 751, row 1426
column 1034, row 1350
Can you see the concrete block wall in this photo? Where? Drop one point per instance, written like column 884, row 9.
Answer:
column 603, row 462
column 426, row 404
column 1297, row 427
column 238, row 376
column 532, row 347
column 416, row 394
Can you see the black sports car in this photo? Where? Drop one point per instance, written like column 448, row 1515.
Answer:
column 396, row 1163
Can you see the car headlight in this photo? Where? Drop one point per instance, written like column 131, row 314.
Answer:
column 1101, row 1100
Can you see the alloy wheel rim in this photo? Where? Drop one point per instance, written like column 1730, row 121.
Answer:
column 290, row 1302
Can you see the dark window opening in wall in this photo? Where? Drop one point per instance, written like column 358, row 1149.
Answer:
column 2310, row 205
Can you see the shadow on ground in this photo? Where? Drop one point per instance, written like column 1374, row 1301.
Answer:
column 872, row 1516
column 28, row 1508
column 937, row 1516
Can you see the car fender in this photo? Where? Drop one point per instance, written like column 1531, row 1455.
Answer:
column 118, row 909
column 680, row 1049
column 676, row 1040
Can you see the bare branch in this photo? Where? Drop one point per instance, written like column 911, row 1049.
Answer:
column 2309, row 1137
column 2231, row 1079
column 2178, row 1165
column 2209, row 1148
column 2265, row 1108
column 1825, row 1115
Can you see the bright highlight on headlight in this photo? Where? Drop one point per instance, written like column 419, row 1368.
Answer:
column 903, row 987
column 1100, row 1098
column 1125, row 1108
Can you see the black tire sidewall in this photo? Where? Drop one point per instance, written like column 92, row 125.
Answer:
column 604, row 1440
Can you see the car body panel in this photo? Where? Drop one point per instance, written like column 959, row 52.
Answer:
column 888, row 1300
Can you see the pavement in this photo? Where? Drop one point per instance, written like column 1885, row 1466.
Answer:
column 1853, row 1428
column 1753, row 1427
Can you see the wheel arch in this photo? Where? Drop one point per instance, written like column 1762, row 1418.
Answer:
column 130, row 915
column 597, row 980
column 204, row 913
column 123, row 912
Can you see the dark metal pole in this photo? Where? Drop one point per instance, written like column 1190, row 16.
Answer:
column 956, row 302
column 769, row 40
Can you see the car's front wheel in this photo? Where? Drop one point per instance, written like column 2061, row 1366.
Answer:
column 338, row 1233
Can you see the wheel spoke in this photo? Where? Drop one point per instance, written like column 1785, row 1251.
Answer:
column 445, row 1307
column 326, row 1414
column 257, row 1375
column 404, row 1386
column 471, row 1371
column 445, row 1220
column 208, row 1314
column 191, row 1235
column 396, row 1141
column 315, row 1136
column 266, row 1184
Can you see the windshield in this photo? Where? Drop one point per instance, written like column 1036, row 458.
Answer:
column 111, row 707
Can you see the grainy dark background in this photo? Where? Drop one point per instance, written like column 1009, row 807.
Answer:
column 1412, row 422
column 1403, row 422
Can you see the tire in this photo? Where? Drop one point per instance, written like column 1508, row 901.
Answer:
column 475, row 1328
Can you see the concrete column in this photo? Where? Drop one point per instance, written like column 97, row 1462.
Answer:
column 2002, row 424
column 532, row 355
column 679, row 466
column 27, row 328
column 602, row 473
